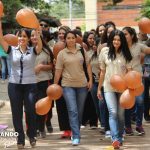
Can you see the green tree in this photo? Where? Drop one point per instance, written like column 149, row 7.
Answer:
column 55, row 8
column 113, row 2
column 60, row 8
column 145, row 11
column 10, row 10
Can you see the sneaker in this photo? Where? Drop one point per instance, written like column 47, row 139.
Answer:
column 82, row 126
column 129, row 131
column 93, row 127
column 147, row 118
column 116, row 144
column 75, row 142
column 20, row 146
column 102, row 130
column 66, row 134
column 49, row 129
column 37, row 133
column 121, row 144
column 139, row 130
column 32, row 142
column 43, row 134
column 107, row 134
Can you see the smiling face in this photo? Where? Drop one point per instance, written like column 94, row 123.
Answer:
column 116, row 42
column 70, row 40
column 33, row 37
column 101, row 30
column 91, row 39
column 61, row 34
column 128, row 36
column 23, row 39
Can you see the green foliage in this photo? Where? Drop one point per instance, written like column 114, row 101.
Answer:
column 61, row 9
column 145, row 11
column 10, row 10
column 55, row 8
column 113, row 2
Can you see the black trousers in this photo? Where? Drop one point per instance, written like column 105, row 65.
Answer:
column 146, row 98
column 62, row 113
column 89, row 114
column 42, row 87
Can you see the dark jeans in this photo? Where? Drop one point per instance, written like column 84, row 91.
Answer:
column 146, row 97
column 62, row 113
column 89, row 113
column 23, row 94
column 101, row 107
column 139, row 110
column 42, row 87
column 49, row 115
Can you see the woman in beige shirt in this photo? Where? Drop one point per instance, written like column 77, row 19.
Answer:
column 43, row 70
column 69, row 66
column 136, row 49
column 114, row 59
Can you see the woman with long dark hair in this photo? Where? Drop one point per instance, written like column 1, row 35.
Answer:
column 43, row 70
column 114, row 59
column 22, row 87
column 136, row 49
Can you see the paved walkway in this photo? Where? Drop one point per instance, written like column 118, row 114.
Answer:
column 90, row 139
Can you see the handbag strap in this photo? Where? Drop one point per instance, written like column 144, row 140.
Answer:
column 84, row 63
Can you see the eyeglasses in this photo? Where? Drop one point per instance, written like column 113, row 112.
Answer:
column 44, row 25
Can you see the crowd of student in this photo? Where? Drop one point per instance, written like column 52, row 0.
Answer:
column 84, row 72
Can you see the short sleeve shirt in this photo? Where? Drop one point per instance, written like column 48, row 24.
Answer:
column 117, row 66
column 43, row 58
column 95, row 68
column 22, row 65
column 136, row 50
column 71, row 65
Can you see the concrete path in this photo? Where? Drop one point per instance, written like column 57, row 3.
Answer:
column 90, row 139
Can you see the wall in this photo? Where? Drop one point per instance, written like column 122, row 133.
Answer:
column 125, row 14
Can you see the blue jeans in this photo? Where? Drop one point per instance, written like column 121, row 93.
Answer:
column 99, row 104
column 139, row 111
column 5, row 65
column 23, row 94
column 75, row 99
column 116, row 115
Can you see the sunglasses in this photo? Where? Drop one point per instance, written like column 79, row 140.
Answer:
column 44, row 25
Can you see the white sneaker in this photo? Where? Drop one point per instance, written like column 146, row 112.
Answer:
column 93, row 127
column 82, row 126
column 107, row 134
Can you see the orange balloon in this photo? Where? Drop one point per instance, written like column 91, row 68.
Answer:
column 118, row 83
column 11, row 39
column 57, row 48
column 26, row 18
column 138, row 91
column 43, row 105
column 133, row 79
column 54, row 91
column 144, row 25
column 127, row 99
column 1, row 9
column 79, row 40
